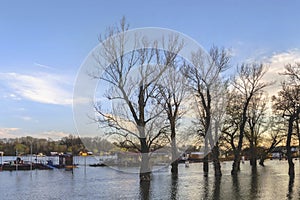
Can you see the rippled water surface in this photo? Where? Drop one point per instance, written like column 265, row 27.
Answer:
column 269, row 182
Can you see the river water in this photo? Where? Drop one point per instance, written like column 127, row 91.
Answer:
column 269, row 182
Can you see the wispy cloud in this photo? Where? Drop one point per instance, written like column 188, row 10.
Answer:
column 12, row 96
column 8, row 132
column 40, row 87
column 43, row 66
column 15, row 132
column 55, row 135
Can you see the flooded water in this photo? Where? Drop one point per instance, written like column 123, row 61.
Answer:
column 269, row 182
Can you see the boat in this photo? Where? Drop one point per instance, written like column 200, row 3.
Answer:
column 98, row 165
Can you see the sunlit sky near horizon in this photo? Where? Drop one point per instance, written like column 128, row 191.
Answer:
column 43, row 44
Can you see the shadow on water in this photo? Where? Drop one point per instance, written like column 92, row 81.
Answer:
column 145, row 190
column 174, row 188
column 290, row 188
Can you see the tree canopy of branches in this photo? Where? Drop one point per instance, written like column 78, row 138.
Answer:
column 206, row 86
column 257, row 125
column 230, row 133
column 133, row 78
column 172, row 92
column 275, row 135
column 247, row 83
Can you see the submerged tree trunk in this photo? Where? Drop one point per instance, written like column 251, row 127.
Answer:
column 174, row 164
column 216, row 161
column 205, row 159
column 253, row 156
column 145, row 172
column 205, row 165
column 288, row 147
column 236, row 162
column 237, row 156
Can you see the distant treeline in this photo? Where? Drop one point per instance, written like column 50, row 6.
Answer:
column 23, row 145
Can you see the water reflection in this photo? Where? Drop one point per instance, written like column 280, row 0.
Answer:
column 253, row 184
column 205, row 188
column 290, row 188
column 145, row 190
column 217, row 188
column 270, row 182
column 236, row 187
column 174, row 187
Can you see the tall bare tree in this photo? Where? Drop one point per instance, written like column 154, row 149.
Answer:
column 287, row 103
column 248, row 83
column 171, row 95
column 256, row 121
column 132, row 79
column 230, row 130
column 205, row 81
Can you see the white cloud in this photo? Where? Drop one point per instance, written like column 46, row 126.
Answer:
column 276, row 64
column 55, row 135
column 40, row 87
column 15, row 132
column 8, row 132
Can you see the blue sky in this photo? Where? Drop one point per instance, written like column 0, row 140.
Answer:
column 42, row 45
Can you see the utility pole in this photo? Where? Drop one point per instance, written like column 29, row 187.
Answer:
column 31, row 155
column 16, row 160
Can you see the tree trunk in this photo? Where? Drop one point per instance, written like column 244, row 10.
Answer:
column 288, row 147
column 237, row 158
column 174, row 168
column 236, row 163
column 253, row 158
column 205, row 159
column 216, row 161
column 145, row 172
column 174, row 164
column 205, row 165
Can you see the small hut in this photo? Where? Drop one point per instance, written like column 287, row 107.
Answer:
column 65, row 161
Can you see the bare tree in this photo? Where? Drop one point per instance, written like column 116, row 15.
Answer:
column 256, row 120
column 205, row 81
column 171, row 95
column 230, row 130
column 132, row 79
column 275, row 136
column 287, row 103
column 248, row 83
